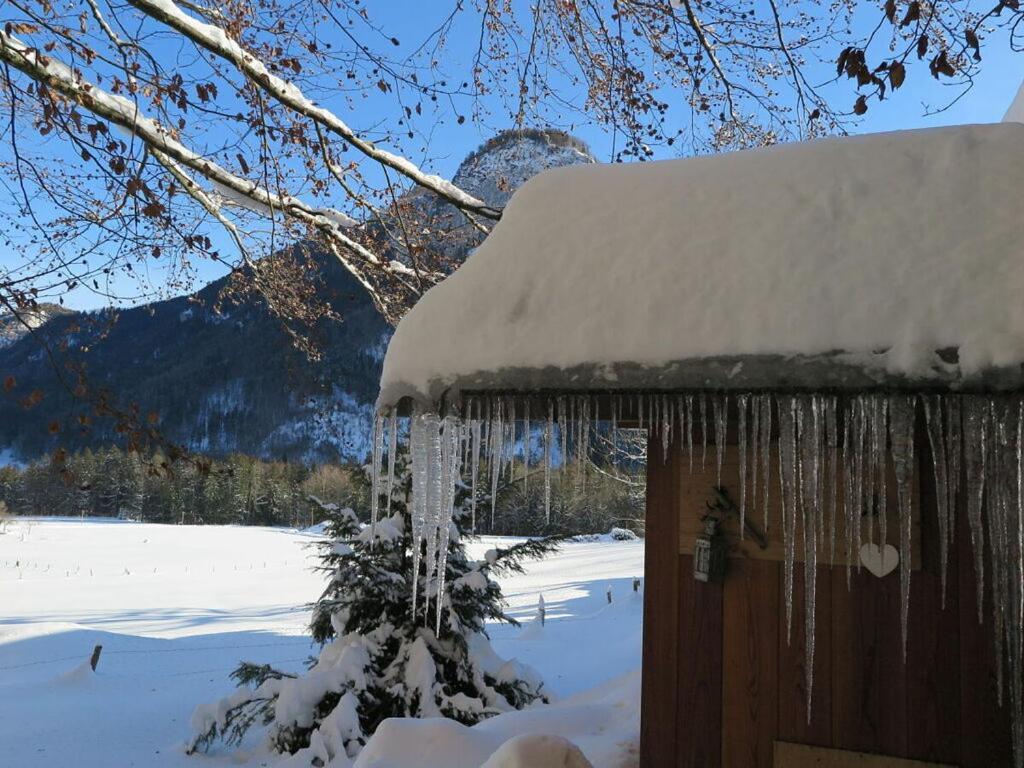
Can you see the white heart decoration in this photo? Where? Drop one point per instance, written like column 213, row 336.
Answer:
column 880, row 561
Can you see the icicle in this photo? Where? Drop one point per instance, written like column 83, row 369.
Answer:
column 616, row 405
column 741, row 403
column 954, row 454
column 449, row 478
column 570, row 426
column 849, row 504
column 975, row 437
column 808, row 422
column 901, row 438
column 936, row 439
column 549, row 431
column 681, row 418
column 666, row 426
column 585, row 442
column 419, row 450
column 703, row 404
column 392, row 453
column 563, row 432
column 435, row 502
column 879, row 465
column 720, row 406
column 375, row 482
column 580, row 451
column 527, row 436
column 832, row 449
column 860, row 463
column 1016, row 558
column 689, row 429
column 640, row 409
column 766, row 448
column 818, row 424
column 474, row 439
column 755, row 431
column 998, row 510
column 788, row 498
column 497, row 441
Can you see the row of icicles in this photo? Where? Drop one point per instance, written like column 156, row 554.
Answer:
column 833, row 457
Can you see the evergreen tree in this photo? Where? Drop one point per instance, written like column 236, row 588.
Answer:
column 380, row 657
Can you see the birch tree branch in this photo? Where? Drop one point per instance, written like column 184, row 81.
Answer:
column 125, row 114
column 216, row 41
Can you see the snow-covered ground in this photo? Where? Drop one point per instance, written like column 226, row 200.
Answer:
column 176, row 607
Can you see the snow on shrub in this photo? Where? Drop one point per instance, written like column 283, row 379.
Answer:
column 380, row 657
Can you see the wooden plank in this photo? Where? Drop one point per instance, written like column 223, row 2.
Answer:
column 869, row 691
column 891, row 675
column 933, row 644
column 789, row 755
column 750, row 673
column 661, row 641
column 699, row 672
column 793, row 722
column 697, row 490
column 984, row 727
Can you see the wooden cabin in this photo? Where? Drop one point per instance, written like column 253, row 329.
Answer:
column 723, row 687
column 889, row 263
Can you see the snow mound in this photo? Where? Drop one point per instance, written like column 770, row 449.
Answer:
column 538, row 752
column 600, row 727
column 615, row 534
column 900, row 254
column 79, row 675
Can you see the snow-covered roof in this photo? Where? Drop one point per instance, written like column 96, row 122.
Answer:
column 884, row 259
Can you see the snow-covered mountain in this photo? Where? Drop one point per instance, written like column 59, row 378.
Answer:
column 14, row 325
column 232, row 381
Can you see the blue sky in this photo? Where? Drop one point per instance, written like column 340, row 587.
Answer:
column 442, row 145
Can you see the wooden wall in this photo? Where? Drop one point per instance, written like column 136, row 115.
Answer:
column 721, row 684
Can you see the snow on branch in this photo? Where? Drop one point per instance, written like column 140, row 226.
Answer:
column 216, row 41
column 126, row 115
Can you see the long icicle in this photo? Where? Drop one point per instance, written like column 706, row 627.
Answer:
column 1017, row 559
column 832, row 449
column 755, row 423
column 975, row 436
column 720, row 406
column 849, row 504
column 689, row 429
column 788, row 484
column 375, row 473
column 936, row 440
column 435, row 505
column 665, row 407
column 808, row 427
column 703, row 405
column 475, row 440
column 766, row 447
column 549, row 436
column 497, row 441
column 901, row 438
column 741, row 404
column 420, row 480
column 392, row 455
column 451, row 437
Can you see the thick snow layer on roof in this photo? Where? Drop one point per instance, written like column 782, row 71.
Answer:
column 885, row 257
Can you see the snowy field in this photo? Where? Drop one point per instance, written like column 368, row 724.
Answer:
column 176, row 607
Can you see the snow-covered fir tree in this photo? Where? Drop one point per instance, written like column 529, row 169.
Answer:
column 380, row 655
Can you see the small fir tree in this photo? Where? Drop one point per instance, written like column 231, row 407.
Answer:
column 380, row 658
